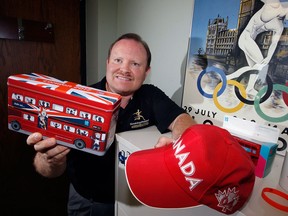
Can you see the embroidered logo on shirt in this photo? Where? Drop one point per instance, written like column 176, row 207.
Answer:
column 138, row 115
column 227, row 199
column 139, row 119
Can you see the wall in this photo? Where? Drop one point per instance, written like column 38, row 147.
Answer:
column 101, row 30
column 164, row 24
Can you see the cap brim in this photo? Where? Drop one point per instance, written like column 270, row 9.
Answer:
column 151, row 183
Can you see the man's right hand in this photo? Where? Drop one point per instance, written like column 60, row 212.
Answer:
column 50, row 159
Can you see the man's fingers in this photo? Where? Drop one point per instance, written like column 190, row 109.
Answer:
column 58, row 155
column 58, row 151
column 48, row 147
column 163, row 141
column 45, row 145
column 34, row 138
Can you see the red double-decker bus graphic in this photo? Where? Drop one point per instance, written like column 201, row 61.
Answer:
column 77, row 116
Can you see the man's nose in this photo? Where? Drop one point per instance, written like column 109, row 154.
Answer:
column 125, row 67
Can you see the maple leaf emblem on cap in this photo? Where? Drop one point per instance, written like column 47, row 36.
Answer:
column 227, row 199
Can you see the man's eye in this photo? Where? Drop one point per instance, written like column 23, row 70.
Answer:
column 117, row 60
column 135, row 64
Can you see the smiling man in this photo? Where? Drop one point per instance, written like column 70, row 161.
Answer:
column 92, row 177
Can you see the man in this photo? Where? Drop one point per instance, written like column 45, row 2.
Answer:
column 92, row 177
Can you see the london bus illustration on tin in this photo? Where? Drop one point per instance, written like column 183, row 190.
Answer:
column 78, row 116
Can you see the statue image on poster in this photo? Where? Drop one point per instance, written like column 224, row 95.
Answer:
column 270, row 17
column 238, row 63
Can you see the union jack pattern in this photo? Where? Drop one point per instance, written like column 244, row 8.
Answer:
column 68, row 87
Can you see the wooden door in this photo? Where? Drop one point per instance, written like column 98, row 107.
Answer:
column 22, row 190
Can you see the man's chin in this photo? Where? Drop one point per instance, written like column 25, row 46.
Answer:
column 124, row 93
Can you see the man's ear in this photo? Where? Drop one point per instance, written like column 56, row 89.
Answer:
column 148, row 70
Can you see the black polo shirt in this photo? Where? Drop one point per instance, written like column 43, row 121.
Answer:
column 94, row 176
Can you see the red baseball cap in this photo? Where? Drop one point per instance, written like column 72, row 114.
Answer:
column 206, row 165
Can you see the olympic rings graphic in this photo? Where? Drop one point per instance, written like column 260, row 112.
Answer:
column 241, row 94
column 284, row 144
column 236, row 108
column 264, row 98
column 257, row 104
column 207, row 70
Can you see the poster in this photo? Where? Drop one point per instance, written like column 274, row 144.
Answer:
column 237, row 63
